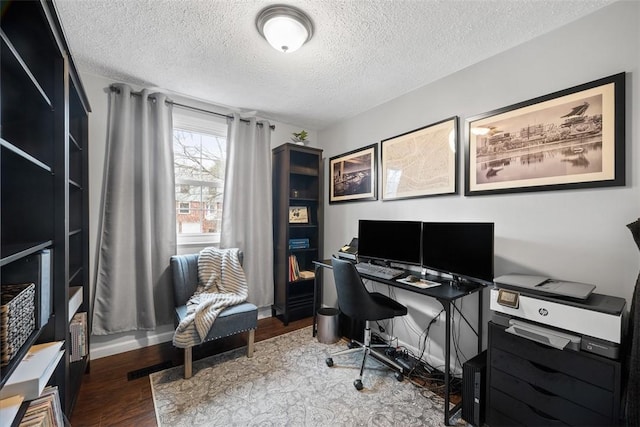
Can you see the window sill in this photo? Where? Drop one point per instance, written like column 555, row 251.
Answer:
column 197, row 244
column 191, row 240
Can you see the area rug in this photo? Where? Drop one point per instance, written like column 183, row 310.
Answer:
column 287, row 383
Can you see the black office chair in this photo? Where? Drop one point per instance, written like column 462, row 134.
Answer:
column 356, row 302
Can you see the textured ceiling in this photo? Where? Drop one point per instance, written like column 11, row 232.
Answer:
column 363, row 52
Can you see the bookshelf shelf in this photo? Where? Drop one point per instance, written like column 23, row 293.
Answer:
column 75, row 300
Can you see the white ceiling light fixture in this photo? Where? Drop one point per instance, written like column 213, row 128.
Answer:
column 286, row 28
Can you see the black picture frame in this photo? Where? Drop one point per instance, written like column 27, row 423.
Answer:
column 353, row 175
column 570, row 139
column 422, row 162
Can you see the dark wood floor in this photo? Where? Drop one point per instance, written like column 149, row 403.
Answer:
column 108, row 398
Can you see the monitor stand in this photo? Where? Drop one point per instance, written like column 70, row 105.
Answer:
column 381, row 263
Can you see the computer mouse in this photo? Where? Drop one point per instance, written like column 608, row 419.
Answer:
column 411, row 278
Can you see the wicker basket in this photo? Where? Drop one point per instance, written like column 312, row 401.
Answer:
column 17, row 318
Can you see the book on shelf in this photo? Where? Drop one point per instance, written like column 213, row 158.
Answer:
column 294, row 268
column 57, row 405
column 46, row 297
column 78, row 332
column 45, row 410
column 10, row 407
column 35, row 419
column 33, row 371
column 302, row 243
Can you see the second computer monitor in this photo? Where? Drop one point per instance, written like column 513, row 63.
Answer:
column 461, row 249
column 390, row 241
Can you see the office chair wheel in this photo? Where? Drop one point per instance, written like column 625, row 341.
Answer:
column 353, row 344
column 358, row 384
column 399, row 376
column 329, row 361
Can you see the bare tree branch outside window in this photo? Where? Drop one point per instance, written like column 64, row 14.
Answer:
column 200, row 161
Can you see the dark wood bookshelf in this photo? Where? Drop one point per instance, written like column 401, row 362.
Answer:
column 44, row 181
column 297, row 182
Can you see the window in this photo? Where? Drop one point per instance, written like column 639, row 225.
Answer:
column 199, row 147
column 183, row 208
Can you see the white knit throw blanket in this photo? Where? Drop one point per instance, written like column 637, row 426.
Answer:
column 221, row 284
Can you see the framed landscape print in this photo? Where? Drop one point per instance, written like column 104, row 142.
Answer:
column 421, row 162
column 565, row 140
column 353, row 175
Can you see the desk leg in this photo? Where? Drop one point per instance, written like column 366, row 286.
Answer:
column 449, row 413
column 447, row 361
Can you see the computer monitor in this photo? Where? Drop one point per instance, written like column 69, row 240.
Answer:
column 462, row 249
column 390, row 241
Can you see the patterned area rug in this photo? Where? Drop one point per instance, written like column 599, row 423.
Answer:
column 287, row 383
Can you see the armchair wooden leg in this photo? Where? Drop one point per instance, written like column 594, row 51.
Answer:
column 187, row 363
column 250, row 339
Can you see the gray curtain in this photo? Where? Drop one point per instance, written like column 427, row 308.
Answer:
column 137, row 226
column 247, row 215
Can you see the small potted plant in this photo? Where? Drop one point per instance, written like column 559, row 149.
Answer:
column 300, row 138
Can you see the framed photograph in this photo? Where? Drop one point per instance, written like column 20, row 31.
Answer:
column 353, row 175
column 565, row 140
column 421, row 162
column 298, row 215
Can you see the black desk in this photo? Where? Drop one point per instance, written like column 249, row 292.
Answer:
column 446, row 294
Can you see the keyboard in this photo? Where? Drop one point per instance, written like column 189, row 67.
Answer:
column 378, row 271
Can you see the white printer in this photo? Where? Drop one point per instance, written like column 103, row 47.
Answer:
column 558, row 313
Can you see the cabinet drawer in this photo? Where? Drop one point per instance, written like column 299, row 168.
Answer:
column 582, row 366
column 556, row 406
column 512, row 408
column 553, row 382
column 498, row 419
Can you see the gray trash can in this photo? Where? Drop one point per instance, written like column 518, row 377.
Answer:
column 328, row 325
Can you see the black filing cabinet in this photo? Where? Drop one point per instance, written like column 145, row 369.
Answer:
column 534, row 385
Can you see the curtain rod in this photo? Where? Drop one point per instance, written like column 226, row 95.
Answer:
column 189, row 107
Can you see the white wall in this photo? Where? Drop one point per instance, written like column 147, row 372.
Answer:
column 96, row 88
column 575, row 235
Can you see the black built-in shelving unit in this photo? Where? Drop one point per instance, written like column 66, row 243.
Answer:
column 44, row 179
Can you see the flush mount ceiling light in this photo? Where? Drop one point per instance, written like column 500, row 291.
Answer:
column 286, row 28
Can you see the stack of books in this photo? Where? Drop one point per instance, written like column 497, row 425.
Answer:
column 44, row 410
column 78, row 331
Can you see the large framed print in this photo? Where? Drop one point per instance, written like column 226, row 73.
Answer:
column 421, row 162
column 569, row 139
column 353, row 175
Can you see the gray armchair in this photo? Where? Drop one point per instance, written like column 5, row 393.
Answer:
column 232, row 320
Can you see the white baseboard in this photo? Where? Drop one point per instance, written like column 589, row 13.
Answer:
column 109, row 345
